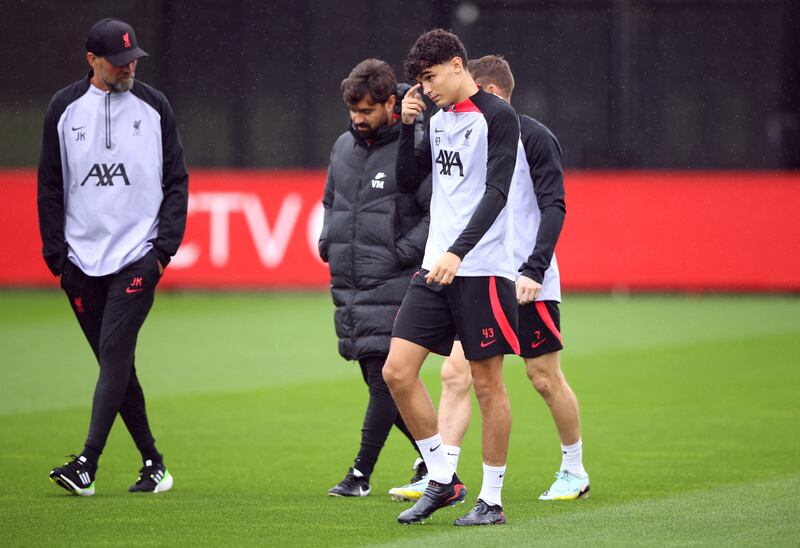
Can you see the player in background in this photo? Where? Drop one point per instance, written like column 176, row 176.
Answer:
column 466, row 284
column 537, row 197
column 113, row 196
column 373, row 237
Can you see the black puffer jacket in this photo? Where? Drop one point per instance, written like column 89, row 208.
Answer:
column 373, row 239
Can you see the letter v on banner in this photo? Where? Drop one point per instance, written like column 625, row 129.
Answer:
column 271, row 244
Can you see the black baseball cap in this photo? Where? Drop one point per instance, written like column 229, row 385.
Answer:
column 114, row 40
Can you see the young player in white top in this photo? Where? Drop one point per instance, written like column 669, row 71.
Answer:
column 466, row 282
column 537, row 199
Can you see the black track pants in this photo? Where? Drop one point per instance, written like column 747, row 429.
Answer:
column 381, row 415
column 111, row 310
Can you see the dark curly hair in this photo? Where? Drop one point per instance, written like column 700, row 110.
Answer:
column 371, row 77
column 434, row 47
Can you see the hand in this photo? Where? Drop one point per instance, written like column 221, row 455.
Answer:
column 160, row 267
column 445, row 270
column 527, row 290
column 412, row 104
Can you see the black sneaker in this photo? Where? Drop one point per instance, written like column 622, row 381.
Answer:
column 483, row 514
column 420, row 470
column 76, row 476
column 153, row 478
column 351, row 486
column 436, row 495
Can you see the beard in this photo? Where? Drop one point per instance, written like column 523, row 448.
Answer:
column 365, row 131
column 121, row 85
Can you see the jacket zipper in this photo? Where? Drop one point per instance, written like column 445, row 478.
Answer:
column 356, row 204
column 108, row 119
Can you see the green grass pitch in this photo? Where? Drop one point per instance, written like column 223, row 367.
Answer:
column 690, row 408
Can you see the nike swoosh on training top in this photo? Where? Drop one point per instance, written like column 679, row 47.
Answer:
column 437, row 130
column 485, row 344
column 537, row 344
column 77, row 128
column 131, row 290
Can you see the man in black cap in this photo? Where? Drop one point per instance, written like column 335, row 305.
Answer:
column 112, row 196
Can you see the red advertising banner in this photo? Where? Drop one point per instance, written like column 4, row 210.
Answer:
column 245, row 229
column 624, row 230
column 685, row 230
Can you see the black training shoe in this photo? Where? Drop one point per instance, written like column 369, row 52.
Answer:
column 483, row 514
column 76, row 476
column 351, row 486
column 420, row 470
column 153, row 478
column 436, row 495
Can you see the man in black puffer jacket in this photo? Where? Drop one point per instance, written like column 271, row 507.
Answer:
column 373, row 239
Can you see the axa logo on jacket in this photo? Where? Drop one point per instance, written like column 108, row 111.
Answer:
column 448, row 160
column 105, row 174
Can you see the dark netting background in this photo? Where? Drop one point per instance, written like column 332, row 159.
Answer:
column 625, row 84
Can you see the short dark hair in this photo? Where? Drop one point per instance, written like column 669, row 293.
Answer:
column 371, row 77
column 492, row 69
column 434, row 47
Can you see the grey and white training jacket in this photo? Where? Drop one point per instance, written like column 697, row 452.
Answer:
column 112, row 178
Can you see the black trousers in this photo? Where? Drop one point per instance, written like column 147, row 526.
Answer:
column 111, row 310
column 380, row 416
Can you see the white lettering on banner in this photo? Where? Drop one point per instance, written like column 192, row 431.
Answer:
column 314, row 229
column 270, row 242
column 186, row 257
column 271, row 245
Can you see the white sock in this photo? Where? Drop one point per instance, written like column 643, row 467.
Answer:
column 572, row 459
column 452, row 452
column 492, row 484
column 439, row 470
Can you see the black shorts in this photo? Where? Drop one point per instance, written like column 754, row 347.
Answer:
column 481, row 309
column 539, row 329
